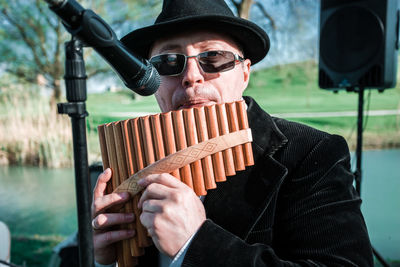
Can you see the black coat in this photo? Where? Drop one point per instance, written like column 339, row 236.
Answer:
column 295, row 206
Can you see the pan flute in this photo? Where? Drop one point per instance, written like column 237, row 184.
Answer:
column 200, row 146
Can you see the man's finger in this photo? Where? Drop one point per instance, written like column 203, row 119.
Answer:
column 102, row 240
column 103, row 221
column 147, row 219
column 105, row 202
column 164, row 179
column 152, row 206
column 101, row 184
column 153, row 191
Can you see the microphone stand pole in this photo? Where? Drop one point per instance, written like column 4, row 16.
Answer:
column 360, row 116
column 75, row 82
column 358, row 172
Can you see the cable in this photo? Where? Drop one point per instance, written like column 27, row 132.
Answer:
column 367, row 110
column 364, row 124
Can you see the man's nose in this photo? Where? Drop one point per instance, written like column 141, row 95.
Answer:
column 193, row 73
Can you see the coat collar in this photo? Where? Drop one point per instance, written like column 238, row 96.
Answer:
column 266, row 134
column 238, row 203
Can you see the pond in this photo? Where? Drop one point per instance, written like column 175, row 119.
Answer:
column 38, row 201
column 42, row 201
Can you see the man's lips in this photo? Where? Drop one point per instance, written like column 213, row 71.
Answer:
column 195, row 103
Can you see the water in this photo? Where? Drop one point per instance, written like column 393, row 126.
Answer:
column 42, row 201
column 38, row 201
column 380, row 191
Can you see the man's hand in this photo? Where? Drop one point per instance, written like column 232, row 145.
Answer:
column 171, row 212
column 104, row 238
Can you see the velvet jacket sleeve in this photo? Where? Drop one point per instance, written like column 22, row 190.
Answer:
column 310, row 217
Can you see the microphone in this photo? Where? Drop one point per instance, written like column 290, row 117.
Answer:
column 138, row 74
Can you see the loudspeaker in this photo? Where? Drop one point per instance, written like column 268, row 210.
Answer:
column 359, row 42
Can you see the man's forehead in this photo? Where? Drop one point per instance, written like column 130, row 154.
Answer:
column 197, row 39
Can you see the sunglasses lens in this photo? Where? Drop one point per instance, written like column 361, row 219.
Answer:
column 168, row 64
column 216, row 61
column 210, row 62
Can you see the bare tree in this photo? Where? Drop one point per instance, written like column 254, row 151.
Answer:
column 32, row 43
column 290, row 24
column 32, row 39
column 243, row 10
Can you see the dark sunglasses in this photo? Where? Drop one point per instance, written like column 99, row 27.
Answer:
column 172, row 64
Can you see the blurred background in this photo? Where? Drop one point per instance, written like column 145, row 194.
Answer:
column 37, row 191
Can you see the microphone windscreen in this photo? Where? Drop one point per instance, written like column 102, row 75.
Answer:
column 147, row 84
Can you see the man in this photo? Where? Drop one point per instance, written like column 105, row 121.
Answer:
column 295, row 206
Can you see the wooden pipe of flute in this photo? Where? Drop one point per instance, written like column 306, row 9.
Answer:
column 244, row 124
column 224, row 129
column 206, row 163
column 128, row 208
column 169, row 138
column 213, row 131
column 191, row 139
column 233, row 127
column 141, row 237
column 180, row 139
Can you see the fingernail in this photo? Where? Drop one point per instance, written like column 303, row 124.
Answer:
column 106, row 171
column 140, row 182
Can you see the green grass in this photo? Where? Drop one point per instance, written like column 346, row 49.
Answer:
column 33, row 251
column 281, row 89
column 101, row 104
column 294, row 88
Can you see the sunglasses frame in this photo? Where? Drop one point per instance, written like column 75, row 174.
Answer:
column 236, row 59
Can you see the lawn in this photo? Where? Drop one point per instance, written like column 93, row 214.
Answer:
column 282, row 89
column 279, row 90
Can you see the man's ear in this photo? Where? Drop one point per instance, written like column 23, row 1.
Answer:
column 246, row 72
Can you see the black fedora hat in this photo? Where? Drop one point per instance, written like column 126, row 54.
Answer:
column 183, row 15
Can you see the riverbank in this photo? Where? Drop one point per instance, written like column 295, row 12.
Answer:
column 31, row 131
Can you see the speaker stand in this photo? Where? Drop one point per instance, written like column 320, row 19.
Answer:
column 358, row 172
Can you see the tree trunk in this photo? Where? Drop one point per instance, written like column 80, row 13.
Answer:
column 244, row 10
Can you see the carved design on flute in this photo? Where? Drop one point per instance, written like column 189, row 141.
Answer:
column 213, row 145
column 192, row 154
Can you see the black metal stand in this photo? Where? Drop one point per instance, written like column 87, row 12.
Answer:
column 360, row 116
column 75, row 81
column 358, row 171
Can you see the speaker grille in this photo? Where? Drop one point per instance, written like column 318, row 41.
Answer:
column 358, row 44
column 373, row 77
column 350, row 39
column 324, row 80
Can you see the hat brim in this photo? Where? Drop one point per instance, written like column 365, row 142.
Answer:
column 253, row 40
